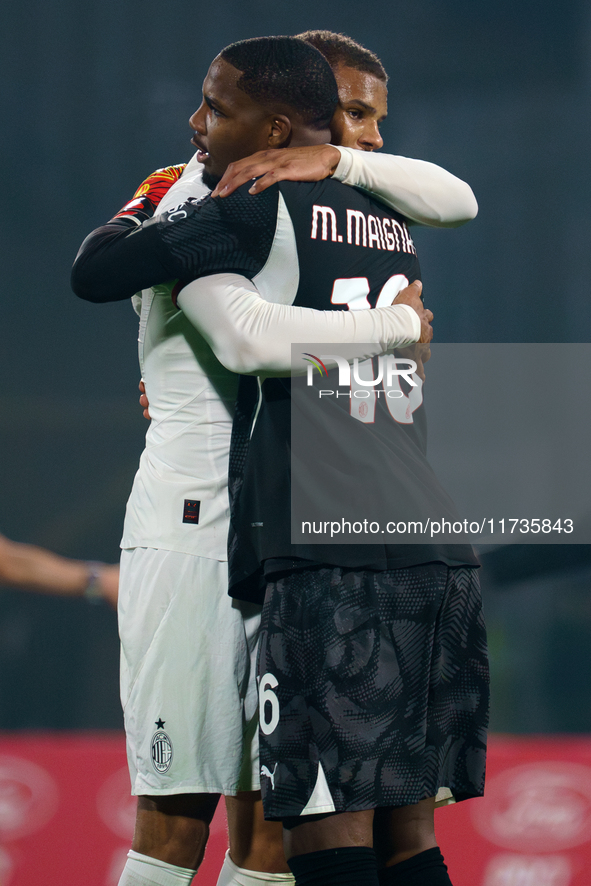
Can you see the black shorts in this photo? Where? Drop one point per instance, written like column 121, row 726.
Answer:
column 374, row 689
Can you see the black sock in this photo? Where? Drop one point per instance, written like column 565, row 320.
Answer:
column 349, row 866
column 424, row 869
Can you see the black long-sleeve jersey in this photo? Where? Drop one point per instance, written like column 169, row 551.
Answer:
column 320, row 245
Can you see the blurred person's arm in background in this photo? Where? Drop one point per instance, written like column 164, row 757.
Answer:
column 31, row 568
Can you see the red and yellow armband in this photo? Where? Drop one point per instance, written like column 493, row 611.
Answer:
column 149, row 194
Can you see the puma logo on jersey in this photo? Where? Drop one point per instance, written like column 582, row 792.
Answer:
column 370, row 231
column 183, row 210
column 269, row 774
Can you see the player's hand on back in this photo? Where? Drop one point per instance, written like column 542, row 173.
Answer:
column 307, row 164
column 412, row 296
column 421, row 354
column 144, row 402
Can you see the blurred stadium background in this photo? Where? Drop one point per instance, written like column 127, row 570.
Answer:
column 97, row 95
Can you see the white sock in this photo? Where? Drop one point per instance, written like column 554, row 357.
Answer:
column 232, row 875
column 141, row 870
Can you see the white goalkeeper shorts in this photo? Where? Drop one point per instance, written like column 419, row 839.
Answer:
column 188, row 676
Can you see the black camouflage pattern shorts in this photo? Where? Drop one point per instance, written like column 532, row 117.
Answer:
column 374, row 688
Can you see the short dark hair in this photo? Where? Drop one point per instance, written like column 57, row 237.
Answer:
column 338, row 49
column 286, row 70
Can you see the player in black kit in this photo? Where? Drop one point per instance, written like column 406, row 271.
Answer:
column 392, row 703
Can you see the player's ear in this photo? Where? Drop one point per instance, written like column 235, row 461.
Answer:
column 279, row 131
